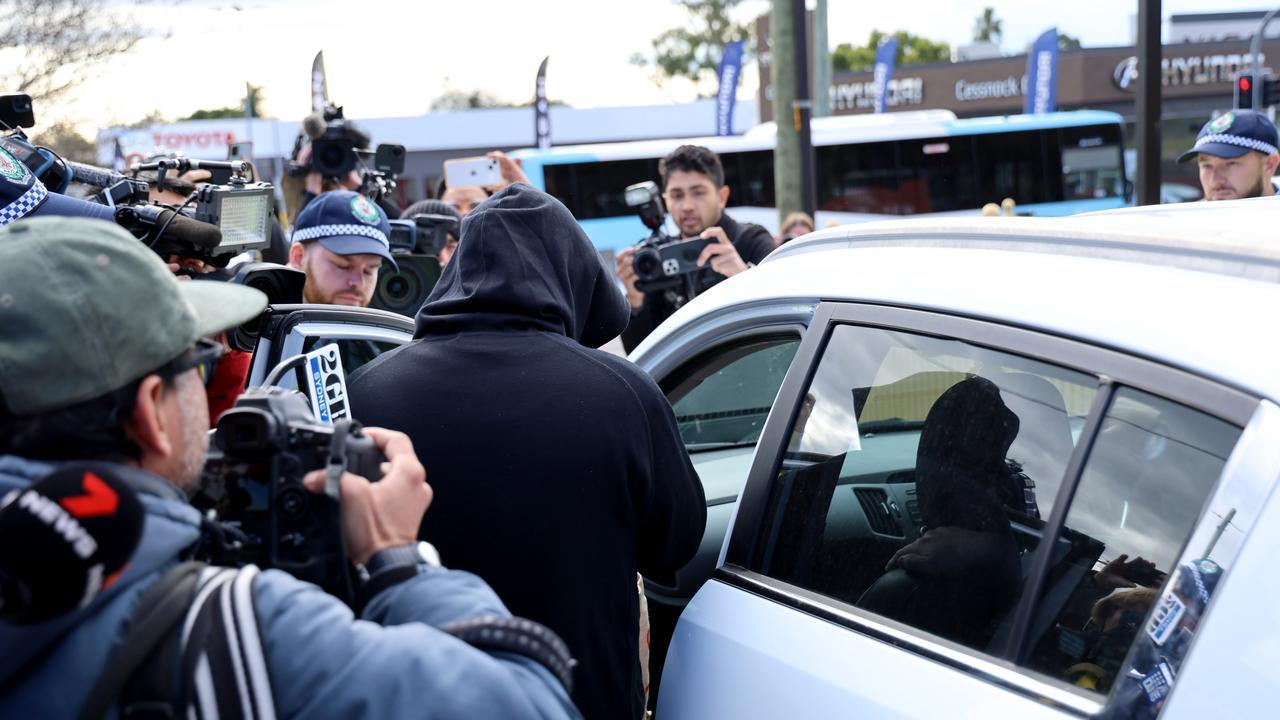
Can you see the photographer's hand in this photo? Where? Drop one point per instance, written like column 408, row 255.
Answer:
column 625, row 270
column 511, row 172
column 722, row 254
column 385, row 514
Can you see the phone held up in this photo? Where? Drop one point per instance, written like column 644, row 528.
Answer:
column 461, row 172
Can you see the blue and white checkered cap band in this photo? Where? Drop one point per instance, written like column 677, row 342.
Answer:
column 1237, row 140
column 324, row 231
column 25, row 203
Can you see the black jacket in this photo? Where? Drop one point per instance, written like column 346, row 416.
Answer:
column 752, row 242
column 558, row 469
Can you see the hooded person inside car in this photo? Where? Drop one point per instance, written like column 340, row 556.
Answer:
column 558, row 468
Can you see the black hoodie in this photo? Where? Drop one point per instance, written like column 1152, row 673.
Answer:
column 558, row 469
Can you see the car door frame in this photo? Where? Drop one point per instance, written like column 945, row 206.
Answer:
column 1113, row 370
column 282, row 330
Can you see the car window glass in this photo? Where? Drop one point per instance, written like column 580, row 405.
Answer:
column 722, row 400
column 916, row 478
column 1148, row 476
column 355, row 351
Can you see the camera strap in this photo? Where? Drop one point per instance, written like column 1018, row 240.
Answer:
column 192, row 650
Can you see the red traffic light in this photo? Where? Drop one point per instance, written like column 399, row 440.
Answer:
column 1246, row 85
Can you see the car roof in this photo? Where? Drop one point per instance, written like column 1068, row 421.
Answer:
column 1195, row 286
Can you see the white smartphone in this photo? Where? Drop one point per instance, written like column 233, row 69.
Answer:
column 472, row 171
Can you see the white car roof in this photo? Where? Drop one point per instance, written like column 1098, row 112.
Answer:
column 1194, row 285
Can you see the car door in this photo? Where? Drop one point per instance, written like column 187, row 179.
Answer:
column 721, row 375
column 285, row 331
column 946, row 513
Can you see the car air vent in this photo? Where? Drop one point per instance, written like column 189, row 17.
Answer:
column 875, row 505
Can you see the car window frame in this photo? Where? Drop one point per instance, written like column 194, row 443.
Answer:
column 1112, row 368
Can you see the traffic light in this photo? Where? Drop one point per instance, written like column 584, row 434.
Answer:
column 1244, row 92
column 1270, row 91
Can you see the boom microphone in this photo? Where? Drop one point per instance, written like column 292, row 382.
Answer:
column 63, row 540
column 182, row 233
column 91, row 175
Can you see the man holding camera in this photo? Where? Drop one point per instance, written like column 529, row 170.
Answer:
column 695, row 194
column 340, row 240
column 102, row 359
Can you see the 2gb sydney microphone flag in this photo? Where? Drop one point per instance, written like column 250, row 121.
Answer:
column 63, row 540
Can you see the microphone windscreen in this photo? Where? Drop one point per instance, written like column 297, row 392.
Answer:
column 63, row 540
column 196, row 233
column 313, row 125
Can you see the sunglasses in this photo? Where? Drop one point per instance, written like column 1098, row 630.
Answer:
column 203, row 357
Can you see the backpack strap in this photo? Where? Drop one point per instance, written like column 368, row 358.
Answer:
column 158, row 611
column 223, row 663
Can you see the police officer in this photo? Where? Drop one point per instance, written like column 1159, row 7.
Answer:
column 1238, row 154
column 340, row 240
column 102, row 358
column 695, row 194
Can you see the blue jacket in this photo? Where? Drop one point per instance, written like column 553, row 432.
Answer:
column 390, row 663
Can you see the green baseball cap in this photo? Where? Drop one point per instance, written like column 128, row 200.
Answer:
column 85, row 308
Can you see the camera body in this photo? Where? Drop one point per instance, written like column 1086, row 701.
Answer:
column 333, row 154
column 262, row 448
column 661, row 261
column 416, row 245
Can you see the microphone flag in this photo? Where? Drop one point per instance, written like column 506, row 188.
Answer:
column 886, row 57
column 541, row 111
column 319, row 86
column 1042, row 74
column 729, row 71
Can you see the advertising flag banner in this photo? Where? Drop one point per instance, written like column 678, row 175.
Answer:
column 729, row 72
column 1042, row 74
column 319, row 87
column 541, row 111
column 886, row 56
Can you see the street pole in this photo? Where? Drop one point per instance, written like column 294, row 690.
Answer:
column 1255, row 51
column 1148, row 120
column 821, row 62
column 802, row 111
column 786, row 153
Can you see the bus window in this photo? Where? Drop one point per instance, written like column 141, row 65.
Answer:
column 749, row 176
column 941, row 174
column 862, row 178
column 1012, row 165
column 1092, row 162
column 595, row 189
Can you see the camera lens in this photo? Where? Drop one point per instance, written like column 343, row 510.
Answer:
column 647, row 263
column 398, row 288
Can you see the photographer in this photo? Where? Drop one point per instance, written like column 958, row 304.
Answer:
column 125, row 390
column 695, row 195
column 340, row 240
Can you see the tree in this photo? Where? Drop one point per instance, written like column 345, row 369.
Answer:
column 256, row 98
column 455, row 99
column 60, row 40
column 1067, row 43
column 692, row 51
column 912, row 50
column 987, row 28
column 63, row 138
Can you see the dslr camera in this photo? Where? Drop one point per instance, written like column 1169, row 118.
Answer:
column 661, row 262
column 262, row 448
column 416, row 244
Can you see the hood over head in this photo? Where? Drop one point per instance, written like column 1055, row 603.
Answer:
column 523, row 262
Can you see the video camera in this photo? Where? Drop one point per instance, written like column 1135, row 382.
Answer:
column 333, row 150
column 661, row 261
column 416, row 244
column 262, row 448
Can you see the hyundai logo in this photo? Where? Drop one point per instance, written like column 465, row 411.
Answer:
column 1126, row 72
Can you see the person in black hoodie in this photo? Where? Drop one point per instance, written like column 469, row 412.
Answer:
column 558, row 468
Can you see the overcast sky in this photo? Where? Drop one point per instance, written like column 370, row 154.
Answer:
column 389, row 58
